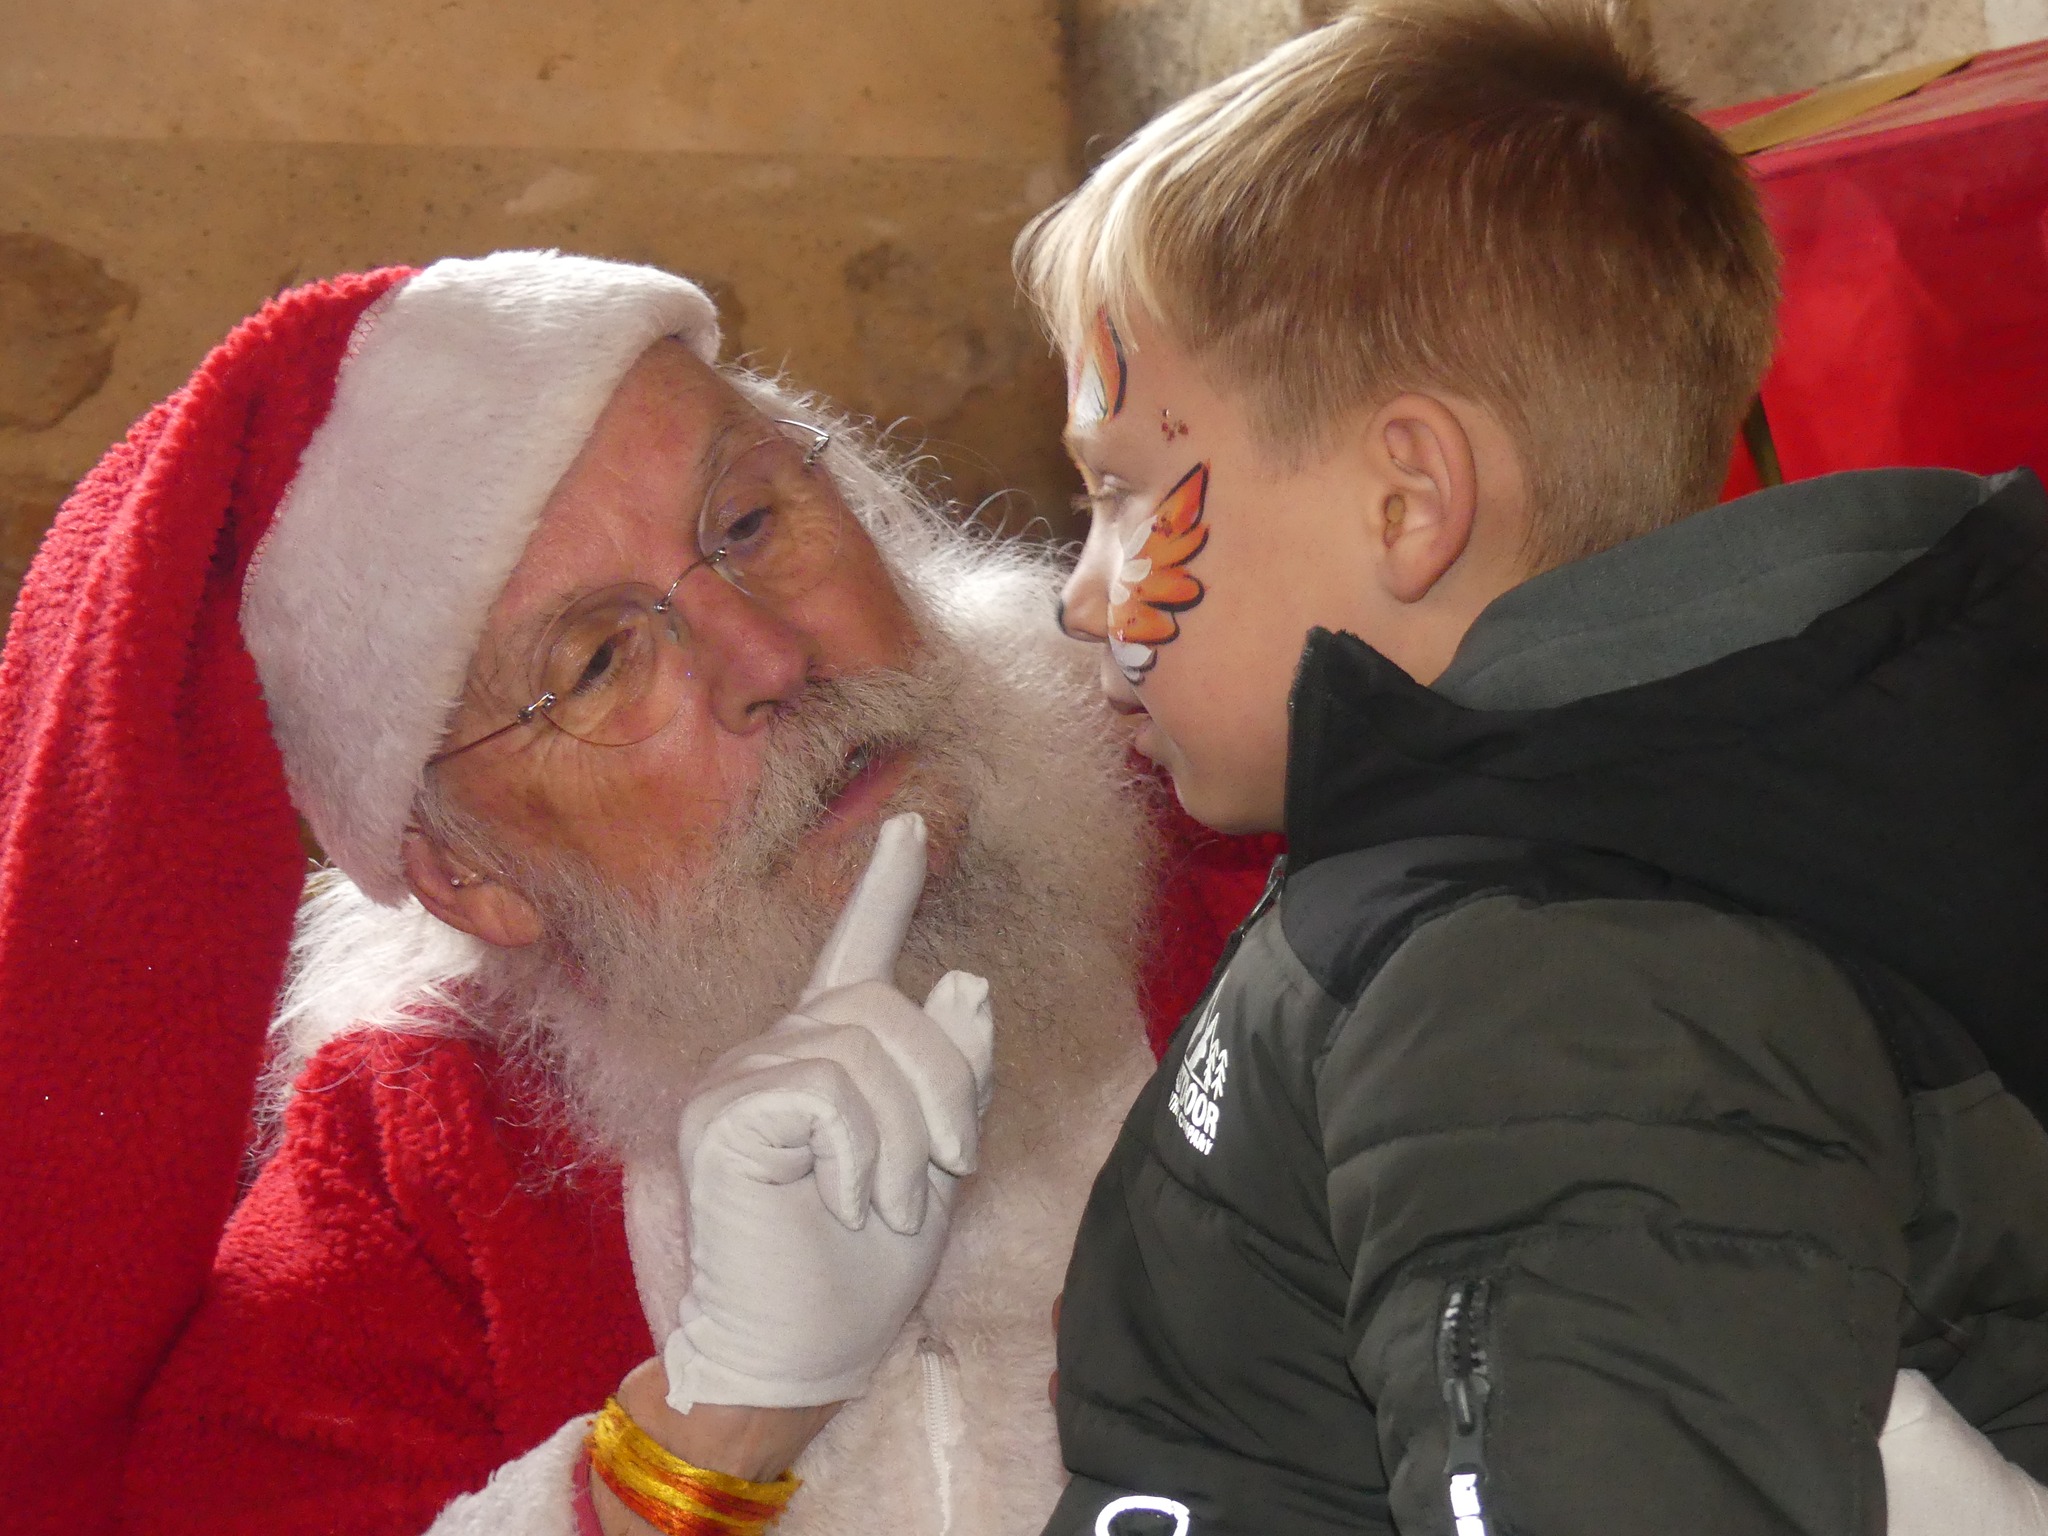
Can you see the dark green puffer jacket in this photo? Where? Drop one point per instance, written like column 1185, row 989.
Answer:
column 1632, row 1071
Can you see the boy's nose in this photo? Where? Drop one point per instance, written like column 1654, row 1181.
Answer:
column 1084, row 600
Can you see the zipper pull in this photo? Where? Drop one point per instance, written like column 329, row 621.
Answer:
column 1275, row 878
column 1465, row 1379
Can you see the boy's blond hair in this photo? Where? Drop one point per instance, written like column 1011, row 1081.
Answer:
column 1498, row 199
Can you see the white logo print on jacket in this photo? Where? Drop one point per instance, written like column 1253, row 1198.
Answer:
column 1197, row 1101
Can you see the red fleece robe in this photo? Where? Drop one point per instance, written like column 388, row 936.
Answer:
column 149, row 868
column 405, row 1301
column 412, row 1294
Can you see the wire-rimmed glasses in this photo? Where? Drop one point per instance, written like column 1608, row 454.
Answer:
column 611, row 670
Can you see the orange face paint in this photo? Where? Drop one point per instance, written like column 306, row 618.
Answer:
column 1101, row 377
column 1154, row 586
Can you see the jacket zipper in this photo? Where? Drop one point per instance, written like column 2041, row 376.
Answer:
column 1275, row 878
column 1465, row 1376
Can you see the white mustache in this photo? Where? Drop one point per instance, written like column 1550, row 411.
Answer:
column 814, row 747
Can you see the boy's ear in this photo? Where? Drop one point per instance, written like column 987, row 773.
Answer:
column 1428, row 495
column 477, row 901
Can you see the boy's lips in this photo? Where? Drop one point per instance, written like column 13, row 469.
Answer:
column 1133, row 718
column 1119, row 694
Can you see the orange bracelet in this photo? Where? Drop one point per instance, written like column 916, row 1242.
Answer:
column 672, row 1495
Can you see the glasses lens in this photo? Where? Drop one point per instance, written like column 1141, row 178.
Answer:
column 772, row 523
column 611, row 667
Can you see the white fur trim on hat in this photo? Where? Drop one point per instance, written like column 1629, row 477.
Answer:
column 466, row 395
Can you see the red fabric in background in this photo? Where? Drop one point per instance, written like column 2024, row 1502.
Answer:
column 1207, row 883
column 1915, row 242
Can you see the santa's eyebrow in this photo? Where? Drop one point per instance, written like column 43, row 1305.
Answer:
column 710, row 460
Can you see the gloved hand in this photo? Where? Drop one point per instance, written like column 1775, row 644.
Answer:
column 819, row 1163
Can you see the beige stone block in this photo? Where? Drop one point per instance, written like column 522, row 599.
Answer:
column 60, row 315
column 883, row 282
column 2008, row 23
column 1133, row 58
column 902, row 78
column 1740, row 50
column 27, row 503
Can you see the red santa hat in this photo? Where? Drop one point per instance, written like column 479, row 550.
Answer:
column 466, row 393
column 266, row 596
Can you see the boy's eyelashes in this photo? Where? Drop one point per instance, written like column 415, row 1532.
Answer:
column 1104, row 499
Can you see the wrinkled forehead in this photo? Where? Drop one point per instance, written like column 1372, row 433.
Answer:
column 626, row 508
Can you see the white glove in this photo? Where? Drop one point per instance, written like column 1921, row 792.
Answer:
column 859, row 1100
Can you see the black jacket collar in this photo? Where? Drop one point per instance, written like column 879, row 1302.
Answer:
column 1881, row 778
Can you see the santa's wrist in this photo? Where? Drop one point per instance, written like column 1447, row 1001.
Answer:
column 758, row 1444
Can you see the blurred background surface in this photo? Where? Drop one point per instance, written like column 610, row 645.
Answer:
column 845, row 177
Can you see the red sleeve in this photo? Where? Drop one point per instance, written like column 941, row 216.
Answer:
column 1208, row 881
column 367, row 1347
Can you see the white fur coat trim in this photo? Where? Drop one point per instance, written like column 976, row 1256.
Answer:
column 532, row 1495
column 466, row 394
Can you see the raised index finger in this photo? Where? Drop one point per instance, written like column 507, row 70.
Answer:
column 864, row 942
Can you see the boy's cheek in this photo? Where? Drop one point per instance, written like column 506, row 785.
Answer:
column 1223, row 800
column 1213, row 733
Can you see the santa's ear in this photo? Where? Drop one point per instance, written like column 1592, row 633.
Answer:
column 476, row 900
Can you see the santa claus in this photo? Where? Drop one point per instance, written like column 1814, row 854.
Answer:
column 665, row 744
column 600, row 674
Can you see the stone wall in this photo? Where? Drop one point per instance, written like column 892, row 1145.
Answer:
column 847, row 178
column 1135, row 56
column 1739, row 50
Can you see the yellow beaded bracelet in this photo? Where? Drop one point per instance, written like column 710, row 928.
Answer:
column 672, row 1495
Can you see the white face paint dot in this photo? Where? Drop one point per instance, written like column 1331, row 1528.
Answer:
column 1131, row 659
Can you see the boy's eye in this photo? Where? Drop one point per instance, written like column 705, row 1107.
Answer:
column 1105, row 503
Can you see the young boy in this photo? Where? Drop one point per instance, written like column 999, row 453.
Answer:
column 1638, row 1062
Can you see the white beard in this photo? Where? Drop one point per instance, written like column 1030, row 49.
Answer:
column 1050, row 886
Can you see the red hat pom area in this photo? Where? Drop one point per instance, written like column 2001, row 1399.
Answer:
column 150, row 868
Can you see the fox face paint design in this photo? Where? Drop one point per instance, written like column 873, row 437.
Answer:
column 1154, row 587
column 1102, row 377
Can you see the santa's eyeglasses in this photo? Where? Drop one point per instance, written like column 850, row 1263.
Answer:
column 612, row 670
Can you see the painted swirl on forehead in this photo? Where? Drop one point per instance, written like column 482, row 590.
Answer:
column 1153, row 587
column 1101, row 378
